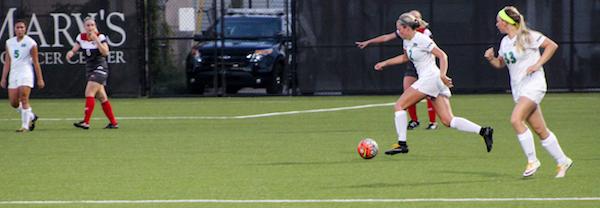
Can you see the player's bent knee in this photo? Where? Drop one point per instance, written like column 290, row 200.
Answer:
column 515, row 121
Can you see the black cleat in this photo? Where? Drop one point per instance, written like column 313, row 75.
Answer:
column 32, row 123
column 82, row 125
column 412, row 125
column 397, row 149
column 487, row 134
column 111, row 126
column 432, row 126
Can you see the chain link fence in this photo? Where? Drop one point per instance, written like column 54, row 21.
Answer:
column 175, row 28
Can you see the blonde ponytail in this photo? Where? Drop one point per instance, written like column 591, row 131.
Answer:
column 523, row 35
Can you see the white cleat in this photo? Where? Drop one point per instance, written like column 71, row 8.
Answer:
column 531, row 168
column 561, row 169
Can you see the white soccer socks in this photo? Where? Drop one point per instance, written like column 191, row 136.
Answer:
column 551, row 145
column 26, row 116
column 526, row 141
column 401, row 123
column 464, row 125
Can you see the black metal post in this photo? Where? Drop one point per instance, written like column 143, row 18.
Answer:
column 572, row 46
column 222, row 52
column 215, row 51
column 294, row 64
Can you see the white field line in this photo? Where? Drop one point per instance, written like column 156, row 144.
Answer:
column 292, row 201
column 219, row 117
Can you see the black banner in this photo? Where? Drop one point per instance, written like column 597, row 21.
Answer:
column 54, row 25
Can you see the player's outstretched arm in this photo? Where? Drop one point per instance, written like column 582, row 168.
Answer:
column 392, row 61
column 378, row 39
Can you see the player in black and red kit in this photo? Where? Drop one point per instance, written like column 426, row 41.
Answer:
column 95, row 49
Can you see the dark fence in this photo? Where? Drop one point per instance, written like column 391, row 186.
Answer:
column 151, row 40
column 329, row 61
column 54, row 24
column 174, row 27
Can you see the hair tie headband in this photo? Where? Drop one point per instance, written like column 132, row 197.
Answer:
column 502, row 14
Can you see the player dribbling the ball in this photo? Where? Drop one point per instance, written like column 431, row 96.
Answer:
column 432, row 82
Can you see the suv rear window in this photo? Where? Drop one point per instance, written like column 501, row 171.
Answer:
column 249, row 27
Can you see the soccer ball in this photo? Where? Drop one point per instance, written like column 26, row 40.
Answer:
column 367, row 148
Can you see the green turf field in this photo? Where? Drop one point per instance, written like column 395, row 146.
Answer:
column 154, row 156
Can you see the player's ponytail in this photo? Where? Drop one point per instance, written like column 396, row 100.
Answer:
column 523, row 32
column 409, row 20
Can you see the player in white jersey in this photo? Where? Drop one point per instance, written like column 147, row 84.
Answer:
column 410, row 75
column 432, row 83
column 20, row 61
column 520, row 51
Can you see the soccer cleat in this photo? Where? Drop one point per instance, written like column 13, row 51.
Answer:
column 82, row 125
column 487, row 134
column 32, row 123
column 412, row 124
column 21, row 130
column 432, row 126
column 561, row 169
column 397, row 149
column 531, row 168
column 111, row 126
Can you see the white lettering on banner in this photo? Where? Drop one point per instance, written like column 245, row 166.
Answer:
column 62, row 24
column 38, row 31
column 34, row 30
column 51, row 58
column 8, row 23
column 115, row 28
column 58, row 30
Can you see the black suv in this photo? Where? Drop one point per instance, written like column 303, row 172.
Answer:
column 253, row 54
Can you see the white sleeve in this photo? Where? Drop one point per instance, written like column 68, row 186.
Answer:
column 429, row 44
column 78, row 38
column 427, row 32
column 33, row 43
column 500, row 51
column 404, row 44
column 102, row 38
column 537, row 39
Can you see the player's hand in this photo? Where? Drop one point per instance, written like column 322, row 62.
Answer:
column 70, row 54
column 362, row 44
column 447, row 81
column 379, row 66
column 489, row 54
column 533, row 68
column 41, row 84
column 92, row 36
column 3, row 83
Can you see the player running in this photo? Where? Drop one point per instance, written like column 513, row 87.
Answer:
column 520, row 51
column 95, row 49
column 20, row 62
column 410, row 75
column 432, row 82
